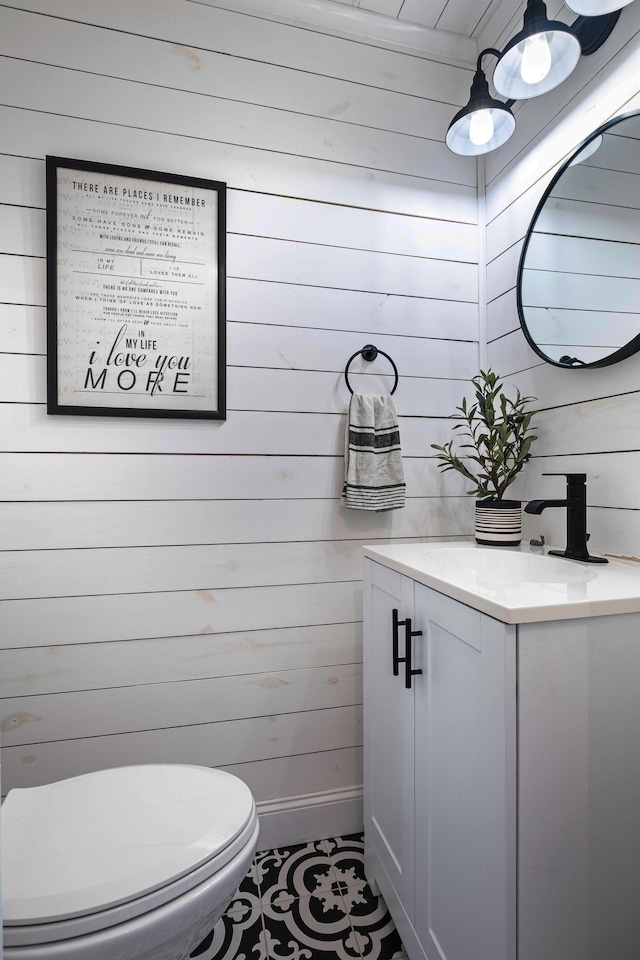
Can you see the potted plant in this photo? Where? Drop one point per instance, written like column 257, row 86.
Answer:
column 496, row 444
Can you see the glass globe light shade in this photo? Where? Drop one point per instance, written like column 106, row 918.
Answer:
column 483, row 125
column 596, row 8
column 587, row 151
column 538, row 58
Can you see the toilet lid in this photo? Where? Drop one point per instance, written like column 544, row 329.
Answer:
column 92, row 842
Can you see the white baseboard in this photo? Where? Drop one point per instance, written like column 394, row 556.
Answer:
column 314, row 816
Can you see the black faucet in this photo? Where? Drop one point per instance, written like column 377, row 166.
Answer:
column 576, row 505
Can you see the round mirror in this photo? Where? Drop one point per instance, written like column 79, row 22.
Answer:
column 579, row 275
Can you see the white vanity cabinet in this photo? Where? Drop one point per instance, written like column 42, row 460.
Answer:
column 440, row 776
column 502, row 788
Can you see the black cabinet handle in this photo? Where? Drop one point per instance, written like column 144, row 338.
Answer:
column 408, row 671
column 397, row 659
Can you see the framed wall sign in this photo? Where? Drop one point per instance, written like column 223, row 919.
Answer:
column 136, row 276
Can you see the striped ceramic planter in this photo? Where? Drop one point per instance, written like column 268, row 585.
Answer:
column 498, row 522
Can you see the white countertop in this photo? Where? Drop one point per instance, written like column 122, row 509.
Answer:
column 516, row 584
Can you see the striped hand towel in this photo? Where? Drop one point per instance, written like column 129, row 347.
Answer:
column 373, row 473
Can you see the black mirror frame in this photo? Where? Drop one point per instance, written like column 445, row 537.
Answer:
column 633, row 345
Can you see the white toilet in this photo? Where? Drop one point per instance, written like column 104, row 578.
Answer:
column 134, row 863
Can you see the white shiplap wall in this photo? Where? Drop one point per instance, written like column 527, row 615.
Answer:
column 186, row 591
column 589, row 418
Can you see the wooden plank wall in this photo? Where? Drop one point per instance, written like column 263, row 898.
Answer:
column 589, row 418
column 186, row 591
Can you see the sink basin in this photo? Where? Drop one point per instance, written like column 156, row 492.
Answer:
column 500, row 567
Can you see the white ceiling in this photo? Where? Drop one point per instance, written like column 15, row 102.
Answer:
column 451, row 30
column 490, row 22
column 465, row 17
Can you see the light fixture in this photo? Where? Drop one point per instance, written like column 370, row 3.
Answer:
column 538, row 58
column 595, row 8
column 484, row 124
column 587, row 151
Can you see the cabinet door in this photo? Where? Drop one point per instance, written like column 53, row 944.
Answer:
column 465, row 830
column 388, row 734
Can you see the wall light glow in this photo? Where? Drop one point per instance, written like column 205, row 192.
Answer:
column 536, row 59
column 481, row 127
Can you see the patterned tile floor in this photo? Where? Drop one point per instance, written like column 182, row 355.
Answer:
column 309, row 901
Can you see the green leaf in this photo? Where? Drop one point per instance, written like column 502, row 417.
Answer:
column 495, row 437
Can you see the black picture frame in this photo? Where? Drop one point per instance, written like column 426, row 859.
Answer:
column 132, row 246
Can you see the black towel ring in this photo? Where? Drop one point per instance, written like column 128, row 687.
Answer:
column 369, row 352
